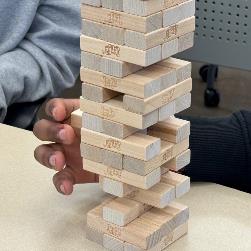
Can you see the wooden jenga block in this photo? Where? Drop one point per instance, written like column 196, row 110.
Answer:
column 113, row 4
column 92, row 2
column 180, row 182
column 180, row 161
column 183, row 103
column 122, row 19
column 186, row 41
column 103, row 31
column 91, row 61
column 183, row 68
column 142, row 8
column 147, row 230
column 168, row 152
column 138, row 145
column 146, row 41
column 122, row 211
column 173, row 130
column 92, row 122
column 121, row 52
column 144, row 106
column 170, row 48
column 165, row 241
column 171, row 3
column 97, row 93
column 112, row 244
column 76, row 121
column 178, row 105
column 115, row 187
column 94, row 235
column 113, row 110
column 143, row 182
column 97, row 154
column 179, row 12
column 117, row 68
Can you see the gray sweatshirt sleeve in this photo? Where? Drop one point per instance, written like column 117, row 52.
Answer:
column 46, row 60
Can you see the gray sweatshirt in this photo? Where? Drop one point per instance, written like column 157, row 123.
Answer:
column 39, row 53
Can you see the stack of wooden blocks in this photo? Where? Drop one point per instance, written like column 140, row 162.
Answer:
column 131, row 89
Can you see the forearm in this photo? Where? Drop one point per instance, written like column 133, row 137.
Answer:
column 221, row 150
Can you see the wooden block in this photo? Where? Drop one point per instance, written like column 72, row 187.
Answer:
column 183, row 103
column 168, row 152
column 115, row 187
column 179, row 12
column 143, row 84
column 173, row 130
column 186, row 41
column 142, row 8
column 103, row 31
column 92, row 2
column 147, row 230
column 143, row 182
column 170, row 48
column 122, row 211
column 146, row 41
column 183, row 68
column 171, row 3
column 122, row 19
column 113, row 110
column 165, row 241
column 97, row 154
column 91, row 61
column 92, row 122
column 113, row 4
column 176, row 106
column 97, row 93
column 180, row 182
column 120, row 52
column 76, row 119
column 94, row 235
column 144, row 106
column 138, row 145
column 180, row 161
column 112, row 244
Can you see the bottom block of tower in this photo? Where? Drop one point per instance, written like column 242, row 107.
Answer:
column 145, row 231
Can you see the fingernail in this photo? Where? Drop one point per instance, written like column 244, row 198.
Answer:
column 52, row 160
column 54, row 112
column 62, row 188
column 61, row 134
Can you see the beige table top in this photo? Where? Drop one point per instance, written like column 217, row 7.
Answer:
column 34, row 217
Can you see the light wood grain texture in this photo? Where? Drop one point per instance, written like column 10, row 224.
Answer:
column 146, row 41
column 113, row 110
column 92, row 122
column 147, row 230
column 165, row 241
column 180, row 182
column 144, row 106
column 122, row 19
column 76, row 121
column 97, row 93
column 97, row 154
column 179, row 12
column 186, row 41
column 91, row 61
column 117, row 68
column 171, row 3
column 142, row 8
column 120, row 52
column 94, row 235
column 143, row 182
column 92, row 2
column 168, row 152
column 173, row 130
column 112, row 244
column 180, row 161
column 138, row 145
column 144, row 83
column 183, row 103
column 122, row 211
column 170, row 48
column 103, row 31
column 113, row 4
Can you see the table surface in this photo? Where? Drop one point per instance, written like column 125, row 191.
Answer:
column 33, row 216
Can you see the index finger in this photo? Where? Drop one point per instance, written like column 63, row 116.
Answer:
column 60, row 109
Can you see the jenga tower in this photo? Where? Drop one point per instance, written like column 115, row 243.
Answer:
column 131, row 89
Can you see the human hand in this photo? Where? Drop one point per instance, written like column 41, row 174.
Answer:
column 64, row 154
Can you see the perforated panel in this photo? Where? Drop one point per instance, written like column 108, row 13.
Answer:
column 223, row 34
